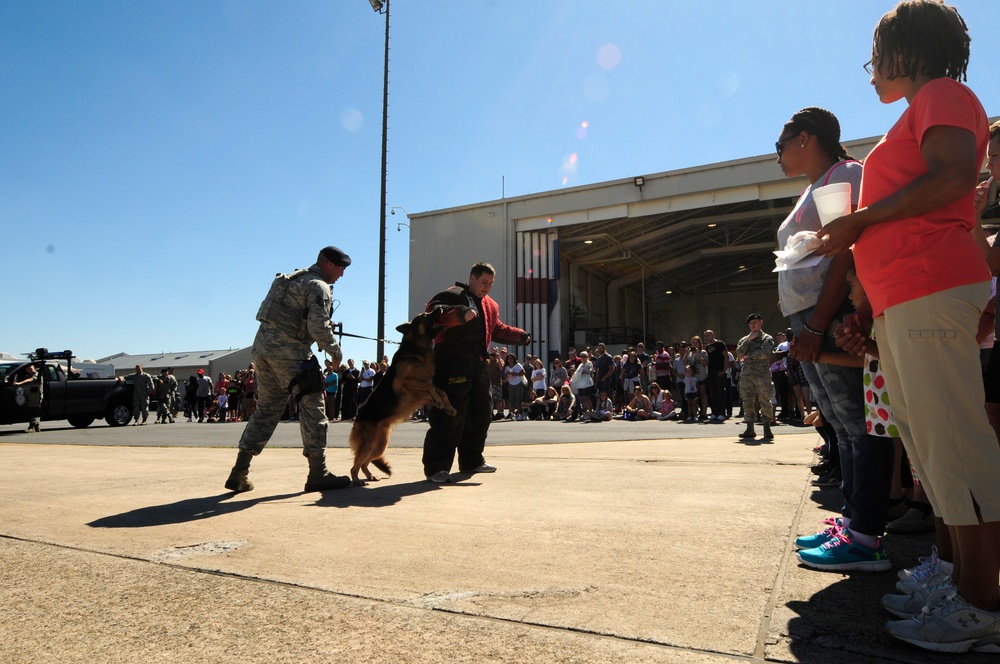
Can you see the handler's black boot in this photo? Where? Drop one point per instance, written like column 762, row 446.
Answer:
column 749, row 433
column 320, row 479
column 238, row 481
column 767, row 431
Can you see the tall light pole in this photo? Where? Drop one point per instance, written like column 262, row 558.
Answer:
column 378, row 6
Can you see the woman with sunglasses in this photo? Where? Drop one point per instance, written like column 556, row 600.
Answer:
column 927, row 281
column 816, row 300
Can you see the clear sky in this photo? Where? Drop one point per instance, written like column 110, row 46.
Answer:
column 161, row 161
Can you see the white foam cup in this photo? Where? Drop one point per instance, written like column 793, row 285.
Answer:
column 832, row 201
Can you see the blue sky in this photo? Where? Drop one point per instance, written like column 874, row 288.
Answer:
column 161, row 161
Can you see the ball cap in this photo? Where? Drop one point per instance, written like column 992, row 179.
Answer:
column 335, row 256
column 754, row 316
column 201, row 372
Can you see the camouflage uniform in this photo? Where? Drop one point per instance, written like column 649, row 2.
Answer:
column 756, row 389
column 295, row 313
column 172, row 405
column 142, row 387
column 163, row 396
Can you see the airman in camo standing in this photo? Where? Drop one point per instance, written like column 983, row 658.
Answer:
column 756, row 389
column 172, row 401
column 295, row 313
column 163, row 398
column 142, row 387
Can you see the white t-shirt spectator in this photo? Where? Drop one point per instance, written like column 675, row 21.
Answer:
column 366, row 377
column 538, row 380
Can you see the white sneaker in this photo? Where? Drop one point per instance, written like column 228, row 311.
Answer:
column 952, row 625
column 440, row 477
column 930, row 572
column 910, row 606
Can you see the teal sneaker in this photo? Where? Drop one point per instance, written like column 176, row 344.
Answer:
column 819, row 539
column 843, row 554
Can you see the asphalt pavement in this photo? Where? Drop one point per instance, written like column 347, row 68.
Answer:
column 605, row 542
column 407, row 434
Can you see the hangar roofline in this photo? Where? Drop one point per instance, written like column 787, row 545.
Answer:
column 859, row 147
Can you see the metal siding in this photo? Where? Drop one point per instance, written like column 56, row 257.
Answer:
column 445, row 243
column 443, row 248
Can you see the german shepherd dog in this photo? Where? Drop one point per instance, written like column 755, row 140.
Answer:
column 404, row 388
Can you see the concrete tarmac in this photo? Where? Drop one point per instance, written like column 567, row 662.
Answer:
column 610, row 542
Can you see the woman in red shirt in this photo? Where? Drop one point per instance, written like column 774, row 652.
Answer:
column 928, row 282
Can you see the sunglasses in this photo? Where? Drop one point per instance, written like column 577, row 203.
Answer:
column 779, row 145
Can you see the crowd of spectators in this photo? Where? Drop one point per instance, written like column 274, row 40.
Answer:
column 230, row 398
column 596, row 385
column 347, row 387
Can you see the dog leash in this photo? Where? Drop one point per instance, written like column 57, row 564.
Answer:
column 358, row 336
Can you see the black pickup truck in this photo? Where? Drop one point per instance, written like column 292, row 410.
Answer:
column 61, row 394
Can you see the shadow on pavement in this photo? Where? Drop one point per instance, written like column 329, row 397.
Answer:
column 376, row 494
column 844, row 620
column 46, row 426
column 830, row 498
column 183, row 511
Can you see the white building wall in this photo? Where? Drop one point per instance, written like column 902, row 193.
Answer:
column 444, row 246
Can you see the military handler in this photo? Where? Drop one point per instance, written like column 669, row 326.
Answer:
column 756, row 389
column 295, row 313
column 472, row 320
column 142, row 387
column 164, row 395
column 173, row 406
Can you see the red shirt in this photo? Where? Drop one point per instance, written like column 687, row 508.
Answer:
column 905, row 259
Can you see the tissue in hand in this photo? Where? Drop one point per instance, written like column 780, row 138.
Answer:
column 797, row 247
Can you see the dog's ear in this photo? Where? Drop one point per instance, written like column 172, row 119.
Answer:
column 403, row 329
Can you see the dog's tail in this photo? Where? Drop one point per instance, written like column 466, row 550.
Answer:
column 382, row 465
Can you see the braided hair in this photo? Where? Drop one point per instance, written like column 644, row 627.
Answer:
column 922, row 37
column 822, row 124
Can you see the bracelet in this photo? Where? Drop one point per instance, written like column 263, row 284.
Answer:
column 812, row 330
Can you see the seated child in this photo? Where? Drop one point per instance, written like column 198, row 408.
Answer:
column 564, row 408
column 544, row 406
column 663, row 403
column 526, row 403
column 602, row 412
column 640, row 408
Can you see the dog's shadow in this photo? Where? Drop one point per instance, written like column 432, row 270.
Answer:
column 184, row 511
column 384, row 493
